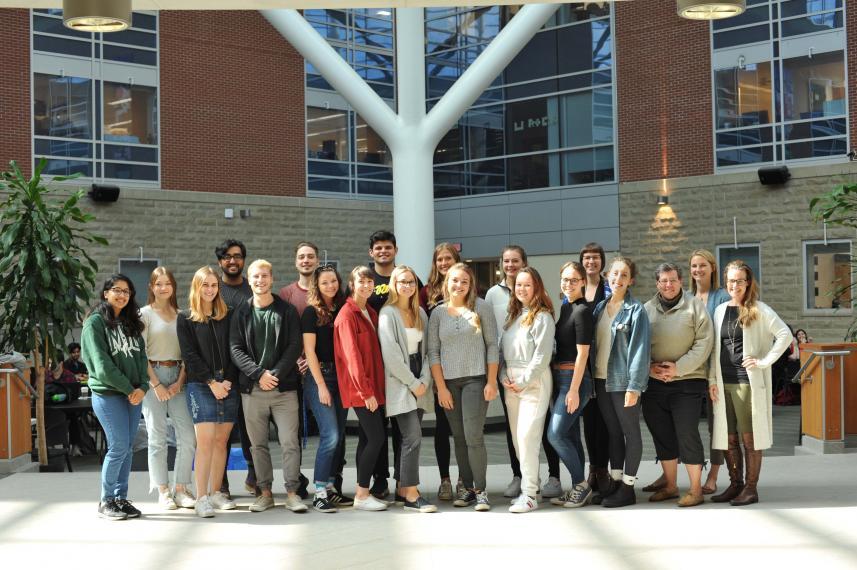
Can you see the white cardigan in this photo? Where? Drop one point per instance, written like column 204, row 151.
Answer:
column 765, row 339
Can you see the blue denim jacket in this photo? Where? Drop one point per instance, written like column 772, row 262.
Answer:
column 630, row 347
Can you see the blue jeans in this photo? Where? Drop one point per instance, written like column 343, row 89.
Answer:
column 330, row 420
column 564, row 428
column 119, row 420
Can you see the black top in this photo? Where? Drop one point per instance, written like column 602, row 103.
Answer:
column 732, row 349
column 323, row 334
column 382, row 290
column 232, row 295
column 600, row 295
column 575, row 326
column 205, row 348
column 75, row 366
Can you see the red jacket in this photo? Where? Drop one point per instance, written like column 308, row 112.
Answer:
column 357, row 352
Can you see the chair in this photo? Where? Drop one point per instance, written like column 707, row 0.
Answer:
column 56, row 433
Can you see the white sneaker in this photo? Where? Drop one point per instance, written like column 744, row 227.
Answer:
column 370, row 503
column 514, row 488
column 524, row 504
column 203, row 508
column 184, row 499
column 294, row 504
column 221, row 502
column 262, row 503
column 166, row 501
column 551, row 489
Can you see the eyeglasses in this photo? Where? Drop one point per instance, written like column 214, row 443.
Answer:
column 736, row 281
column 229, row 257
column 408, row 283
column 572, row 281
column 120, row 292
column 668, row 281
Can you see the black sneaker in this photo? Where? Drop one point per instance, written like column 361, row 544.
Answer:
column 466, row 498
column 322, row 504
column 337, row 499
column 127, row 508
column 420, row 505
column 379, row 489
column 303, row 483
column 110, row 510
column 400, row 500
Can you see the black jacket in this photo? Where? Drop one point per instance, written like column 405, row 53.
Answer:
column 200, row 342
column 289, row 346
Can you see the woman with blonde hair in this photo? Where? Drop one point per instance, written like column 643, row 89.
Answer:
column 463, row 354
column 401, row 331
column 527, row 346
column 166, row 397
column 203, row 331
column 749, row 338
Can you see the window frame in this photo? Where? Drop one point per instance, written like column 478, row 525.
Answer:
column 809, row 311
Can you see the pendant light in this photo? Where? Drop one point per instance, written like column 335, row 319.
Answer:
column 710, row 9
column 97, row 15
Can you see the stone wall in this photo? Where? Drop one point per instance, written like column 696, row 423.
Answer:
column 700, row 215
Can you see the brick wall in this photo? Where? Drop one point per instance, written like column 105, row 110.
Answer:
column 15, row 112
column 232, row 105
column 663, row 83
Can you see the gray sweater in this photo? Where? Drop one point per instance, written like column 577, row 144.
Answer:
column 398, row 379
column 458, row 346
column 527, row 351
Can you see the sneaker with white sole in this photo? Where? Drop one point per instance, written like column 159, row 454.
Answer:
column 513, row 489
column 184, row 499
column 221, row 502
column 551, row 489
column 524, row 504
column 482, row 502
column 322, row 504
column 203, row 508
column 107, row 509
column 262, row 503
column 294, row 504
column 166, row 501
column 459, row 485
column 339, row 500
column 421, row 505
column 466, row 498
column 370, row 503
column 580, row 496
column 562, row 499
column 444, row 492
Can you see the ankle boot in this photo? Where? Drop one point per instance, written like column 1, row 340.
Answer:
column 753, row 460
column 735, row 465
column 622, row 497
column 603, row 485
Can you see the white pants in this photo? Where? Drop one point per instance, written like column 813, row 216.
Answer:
column 527, row 411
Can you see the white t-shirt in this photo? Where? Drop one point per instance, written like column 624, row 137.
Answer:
column 414, row 338
column 162, row 340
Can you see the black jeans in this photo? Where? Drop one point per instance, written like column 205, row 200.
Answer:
column 245, row 451
column 671, row 411
column 442, row 433
column 550, row 453
column 623, row 425
column 372, row 437
column 596, row 436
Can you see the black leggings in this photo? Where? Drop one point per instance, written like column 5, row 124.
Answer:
column 623, row 425
column 597, row 437
column 371, row 438
column 550, row 453
column 442, row 433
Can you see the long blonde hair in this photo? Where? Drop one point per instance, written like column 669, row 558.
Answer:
column 470, row 300
column 194, row 297
column 413, row 302
column 153, row 278
column 748, row 311
column 434, row 287
column 709, row 257
column 540, row 303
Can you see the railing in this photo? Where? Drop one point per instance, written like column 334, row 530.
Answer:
column 26, row 383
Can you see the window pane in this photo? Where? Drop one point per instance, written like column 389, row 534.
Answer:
column 587, row 118
column 745, row 156
column 748, row 254
column 327, row 134
column 382, row 173
column 62, row 106
column 130, row 55
column 532, row 125
column 588, row 166
column 62, row 45
column 538, row 59
column 798, row 7
column 812, row 24
column 450, row 148
column 750, row 16
column 487, row 176
column 371, row 148
column 814, row 87
column 376, row 188
column 484, row 132
column 338, row 185
column 53, row 147
column 144, row 21
column 743, row 96
column 130, row 113
column 55, row 26
column 130, row 153
column 814, row 129
column 67, row 167
column 132, row 37
column 742, row 36
column 479, row 25
column 745, row 137
column 822, row 148
column 828, row 276
column 325, row 168
column 130, row 171
column 449, row 181
column 534, row 171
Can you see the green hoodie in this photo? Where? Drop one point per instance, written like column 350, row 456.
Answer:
column 117, row 363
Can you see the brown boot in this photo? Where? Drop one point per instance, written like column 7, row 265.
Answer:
column 748, row 494
column 735, row 465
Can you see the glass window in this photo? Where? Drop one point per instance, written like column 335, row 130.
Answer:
column 62, row 106
column 743, row 96
column 327, row 134
column 338, row 185
column 587, row 118
column 130, row 113
column 748, row 253
column 532, row 125
column 828, row 275
column 371, row 148
column 814, row 87
column 62, row 46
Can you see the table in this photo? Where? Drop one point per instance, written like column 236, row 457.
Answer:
column 83, row 407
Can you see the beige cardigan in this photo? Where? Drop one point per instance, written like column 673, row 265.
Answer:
column 765, row 339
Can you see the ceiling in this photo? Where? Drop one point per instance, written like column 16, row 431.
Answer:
column 272, row 4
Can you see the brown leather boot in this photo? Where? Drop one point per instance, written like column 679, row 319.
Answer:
column 735, row 465
column 753, row 459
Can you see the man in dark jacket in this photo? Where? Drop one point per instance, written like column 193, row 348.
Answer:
column 265, row 342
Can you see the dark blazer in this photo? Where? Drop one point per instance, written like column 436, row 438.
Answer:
column 205, row 348
column 289, row 346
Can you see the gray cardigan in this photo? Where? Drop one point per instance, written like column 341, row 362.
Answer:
column 461, row 349
column 398, row 379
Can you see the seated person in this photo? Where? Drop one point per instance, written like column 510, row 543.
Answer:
column 74, row 364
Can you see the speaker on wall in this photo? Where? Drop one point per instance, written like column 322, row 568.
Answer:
column 104, row 193
column 769, row 175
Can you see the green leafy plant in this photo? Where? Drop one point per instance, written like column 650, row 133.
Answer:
column 46, row 276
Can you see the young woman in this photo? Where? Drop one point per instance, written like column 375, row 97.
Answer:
column 166, row 396
column 212, row 389
column 114, row 352
column 749, row 338
column 571, row 377
column 360, row 373
column 321, row 388
column 401, row 331
column 463, row 354
column 445, row 256
column 622, row 357
column 527, row 345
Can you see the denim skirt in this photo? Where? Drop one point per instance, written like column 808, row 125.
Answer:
column 205, row 408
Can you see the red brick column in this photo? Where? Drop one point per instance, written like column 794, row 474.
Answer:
column 16, row 120
column 851, row 55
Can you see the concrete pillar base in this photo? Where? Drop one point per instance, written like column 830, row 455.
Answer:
column 20, row 464
column 813, row 446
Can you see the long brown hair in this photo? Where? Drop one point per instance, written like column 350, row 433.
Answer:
column 315, row 299
column 470, row 300
column 413, row 302
column 709, row 257
column 194, row 297
column 748, row 310
column 153, row 278
column 434, row 287
column 540, row 303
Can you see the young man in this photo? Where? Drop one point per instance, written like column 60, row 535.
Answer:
column 306, row 261
column 265, row 342
column 74, row 364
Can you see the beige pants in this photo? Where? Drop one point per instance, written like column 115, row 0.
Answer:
column 527, row 410
column 259, row 406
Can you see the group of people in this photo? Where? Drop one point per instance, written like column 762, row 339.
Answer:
column 391, row 349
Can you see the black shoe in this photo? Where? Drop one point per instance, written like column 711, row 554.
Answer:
column 466, row 498
column 323, row 504
column 110, row 510
column 623, row 497
column 303, row 483
column 400, row 500
column 379, row 489
column 338, row 499
column 420, row 505
column 126, row 507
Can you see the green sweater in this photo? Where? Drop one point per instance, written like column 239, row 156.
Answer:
column 117, row 363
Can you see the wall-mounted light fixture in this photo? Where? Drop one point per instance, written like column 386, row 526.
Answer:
column 97, row 15
column 710, row 9
column 663, row 200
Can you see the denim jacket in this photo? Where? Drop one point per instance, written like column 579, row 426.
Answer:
column 630, row 347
